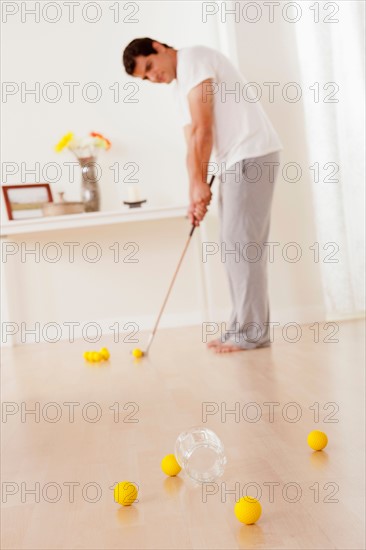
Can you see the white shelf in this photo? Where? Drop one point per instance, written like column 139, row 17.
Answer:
column 91, row 219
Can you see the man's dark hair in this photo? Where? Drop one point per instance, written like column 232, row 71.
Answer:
column 139, row 46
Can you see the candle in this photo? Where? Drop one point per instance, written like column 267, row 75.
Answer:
column 133, row 193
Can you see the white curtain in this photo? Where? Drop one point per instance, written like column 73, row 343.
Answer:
column 333, row 52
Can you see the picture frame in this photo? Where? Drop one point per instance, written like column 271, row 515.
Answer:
column 25, row 201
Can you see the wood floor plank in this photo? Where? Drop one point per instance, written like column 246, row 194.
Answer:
column 127, row 414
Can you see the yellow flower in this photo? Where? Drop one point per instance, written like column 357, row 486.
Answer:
column 64, row 141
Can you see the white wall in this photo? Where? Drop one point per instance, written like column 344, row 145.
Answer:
column 148, row 133
column 267, row 53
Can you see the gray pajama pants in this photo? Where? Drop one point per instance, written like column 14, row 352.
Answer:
column 245, row 198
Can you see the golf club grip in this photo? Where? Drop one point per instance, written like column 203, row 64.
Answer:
column 193, row 226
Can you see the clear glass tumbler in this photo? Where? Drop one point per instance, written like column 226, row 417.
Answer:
column 201, row 454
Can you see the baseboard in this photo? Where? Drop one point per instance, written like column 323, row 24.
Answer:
column 91, row 329
column 130, row 329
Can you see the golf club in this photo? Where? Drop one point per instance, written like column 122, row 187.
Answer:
column 151, row 337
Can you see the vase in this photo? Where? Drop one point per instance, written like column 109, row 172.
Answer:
column 200, row 454
column 89, row 184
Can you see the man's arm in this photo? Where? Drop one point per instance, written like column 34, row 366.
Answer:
column 199, row 137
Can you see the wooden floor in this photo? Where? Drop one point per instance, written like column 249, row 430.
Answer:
column 168, row 391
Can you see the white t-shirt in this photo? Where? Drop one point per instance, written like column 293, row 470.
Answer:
column 242, row 129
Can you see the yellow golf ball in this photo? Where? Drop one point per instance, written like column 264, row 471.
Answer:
column 86, row 355
column 317, row 440
column 137, row 352
column 125, row 493
column 248, row 510
column 95, row 356
column 170, row 466
column 104, row 352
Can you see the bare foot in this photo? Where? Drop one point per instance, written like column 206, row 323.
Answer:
column 226, row 348
column 214, row 343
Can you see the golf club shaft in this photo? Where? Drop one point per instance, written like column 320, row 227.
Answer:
column 167, row 295
column 172, row 283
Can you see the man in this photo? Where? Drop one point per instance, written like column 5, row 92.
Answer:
column 220, row 116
